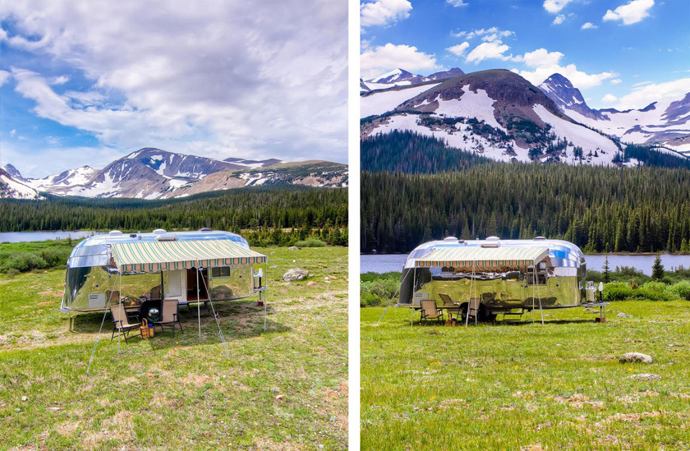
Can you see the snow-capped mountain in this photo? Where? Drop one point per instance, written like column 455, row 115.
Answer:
column 395, row 76
column 253, row 164
column 495, row 113
column 664, row 122
column 71, row 177
column 450, row 73
column 13, row 172
column 151, row 173
column 401, row 77
column 567, row 97
column 12, row 188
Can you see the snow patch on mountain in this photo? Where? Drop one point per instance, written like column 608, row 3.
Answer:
column 11, row 188
column 580, row 136
column 471, row 104
column 383, row 101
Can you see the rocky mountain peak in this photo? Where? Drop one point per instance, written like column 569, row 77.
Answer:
column 567, row 97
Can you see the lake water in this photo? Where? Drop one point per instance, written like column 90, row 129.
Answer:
column 20, row 237
column 394, row 262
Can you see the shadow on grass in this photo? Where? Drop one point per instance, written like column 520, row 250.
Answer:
column 499, row 323
column 238, row 320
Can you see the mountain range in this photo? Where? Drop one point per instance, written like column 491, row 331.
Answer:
column 151, row 173
column 500, row 115
column 401, row 77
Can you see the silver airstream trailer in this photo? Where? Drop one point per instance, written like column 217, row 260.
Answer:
column 505, row 275
column 134, row 268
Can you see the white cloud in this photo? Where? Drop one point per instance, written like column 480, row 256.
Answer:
column 588, row 26
column 459, row 49
column 485, row 34
column 457, row 3
column 616, row 81
column 541, row 57
column 226, row 79
column 542, row 64
column 59, row 80
column 384, row 12
column 4, row 76
column 374, row 61
column 559, row 19
column 555, row 6
column 609, row 99
column 489, row 50
column 630, row 13
column 646, row 93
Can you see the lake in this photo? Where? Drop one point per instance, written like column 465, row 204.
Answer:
column 20, row 237
column 394, row 262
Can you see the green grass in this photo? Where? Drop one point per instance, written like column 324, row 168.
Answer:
column 527, row 386
column 283, row 388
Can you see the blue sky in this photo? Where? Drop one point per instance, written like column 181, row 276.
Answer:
column 87, row 84
column 620, row 53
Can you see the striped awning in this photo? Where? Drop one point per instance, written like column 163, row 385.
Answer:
column 155, row 256
column 480, row 259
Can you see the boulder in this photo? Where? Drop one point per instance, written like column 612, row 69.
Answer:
column 293, row 248
column 623, row 315
column 645, row 377
column 295, row 274
column 635, row 357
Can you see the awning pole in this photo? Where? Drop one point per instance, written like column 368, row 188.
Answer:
column 215, row 315
column 261, row 294
column 98, row 339
column 198, row 300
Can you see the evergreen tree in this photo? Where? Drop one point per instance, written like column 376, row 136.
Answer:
column 657, row 269
column 607, row 275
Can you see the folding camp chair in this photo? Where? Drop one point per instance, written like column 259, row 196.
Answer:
column 472, row 310
column 449, row 305
column 429, row 311
column 170, row 317
column 121, row 324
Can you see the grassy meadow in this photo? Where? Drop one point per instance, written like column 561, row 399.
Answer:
column 528, row 386
column 284, row 388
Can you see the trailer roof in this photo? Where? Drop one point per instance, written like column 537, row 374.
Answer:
column 155, row 256
column 96, row 250
column 483, row 258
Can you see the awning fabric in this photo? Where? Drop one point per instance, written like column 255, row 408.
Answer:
column 147, row 256
column 480, row 259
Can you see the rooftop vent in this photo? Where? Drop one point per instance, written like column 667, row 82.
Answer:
column 114, row 233
column 159, row 231
column 492, row 244
column 492, row 238
column 540, row 238
column 205, row 229
column 166, row 237
column 450, row 238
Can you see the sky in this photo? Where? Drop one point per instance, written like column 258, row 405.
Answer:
column 619, row 53
column 86, row 82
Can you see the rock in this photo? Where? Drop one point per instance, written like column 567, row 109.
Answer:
column 295, row 274
column 645, row 377
column 25, row 398
column 293, row 248
column 280, row 397
column 634, row 357
column 623, row 315
column 311, row 284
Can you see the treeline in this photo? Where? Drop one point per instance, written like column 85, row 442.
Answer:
column 600, row 209
column 414, row 154
column 266, row 215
